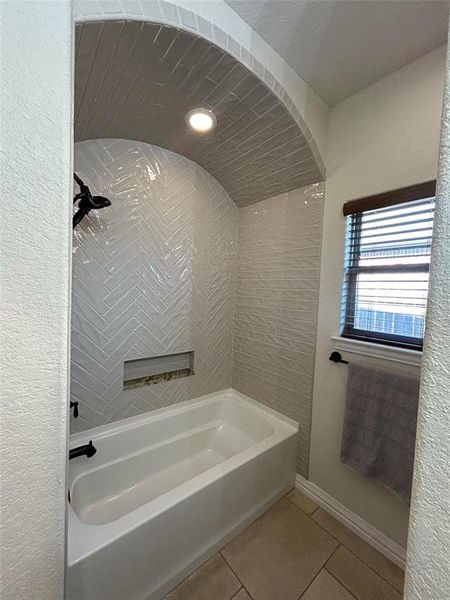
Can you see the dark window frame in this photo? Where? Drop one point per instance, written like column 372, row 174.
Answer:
column 355, row 210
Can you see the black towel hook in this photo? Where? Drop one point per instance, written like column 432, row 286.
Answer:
column 337, row 358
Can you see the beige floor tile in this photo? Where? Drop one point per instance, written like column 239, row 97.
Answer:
column 214, row 579
column 278, row 556
column 241, row 595
column 358, row 578
column 325, row 587
column 303, row 503
column 379, row 563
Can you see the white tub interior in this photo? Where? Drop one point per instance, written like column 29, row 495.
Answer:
column 158, row 459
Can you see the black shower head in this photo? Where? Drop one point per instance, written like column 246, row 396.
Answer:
column 87, row 201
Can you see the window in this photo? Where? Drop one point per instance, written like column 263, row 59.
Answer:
column 388, row 246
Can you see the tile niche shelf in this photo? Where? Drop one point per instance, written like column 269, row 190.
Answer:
column 152, row 370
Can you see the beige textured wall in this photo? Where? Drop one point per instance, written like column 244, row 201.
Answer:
column 428, row 565
column 152, row 274
column 384, row 137
column 276, row 304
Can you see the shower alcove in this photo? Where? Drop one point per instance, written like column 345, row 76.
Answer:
column 212, row 243
column 158, row 272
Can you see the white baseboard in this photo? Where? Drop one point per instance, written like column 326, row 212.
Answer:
column 374, row 537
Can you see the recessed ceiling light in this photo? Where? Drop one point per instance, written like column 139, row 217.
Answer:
column 201, row 120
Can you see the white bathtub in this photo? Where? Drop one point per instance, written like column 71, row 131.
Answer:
column 169, row 488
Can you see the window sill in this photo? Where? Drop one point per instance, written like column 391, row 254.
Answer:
column 390, row 353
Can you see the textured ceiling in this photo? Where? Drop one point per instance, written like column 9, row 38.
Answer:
column 138, row 80
column 340, row 47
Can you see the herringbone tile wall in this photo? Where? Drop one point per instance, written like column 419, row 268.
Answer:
column 275, row 311
column 152, row 274
column 159, row 272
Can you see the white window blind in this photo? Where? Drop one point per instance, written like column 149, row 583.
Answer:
column 386, row 273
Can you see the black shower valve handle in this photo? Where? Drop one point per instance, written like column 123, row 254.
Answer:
column 74, row 405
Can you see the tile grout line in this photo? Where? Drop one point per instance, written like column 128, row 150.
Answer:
column 324, row 568
column 339, row 544
column 235, row 574
column 239, row 590
column 260, row 517
column 358, row 557
column 341, row 583
column 318, row 573
column 300, row 509
column 368, row 566
column 311, row 582
column 343, row 545
column 329, row 558
column 191, row 574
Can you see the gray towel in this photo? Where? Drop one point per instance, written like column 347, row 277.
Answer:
column 380, row 426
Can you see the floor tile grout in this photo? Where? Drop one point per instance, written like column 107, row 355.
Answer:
column 313, row 580
column 318, row 572
column 298, row 507
column 235, row 574
column 349, row 549
column 338, row 540
column 324, row 568
column 239, row 590
column 341, row 583
column 368, row 566
column 339, row 544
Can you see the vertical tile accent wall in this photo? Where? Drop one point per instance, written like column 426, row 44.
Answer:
column 276, row 302
column 152, row 274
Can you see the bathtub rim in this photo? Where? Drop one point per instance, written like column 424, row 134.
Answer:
column 124, row 425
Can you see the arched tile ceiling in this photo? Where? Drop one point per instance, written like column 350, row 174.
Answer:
column 137, row 81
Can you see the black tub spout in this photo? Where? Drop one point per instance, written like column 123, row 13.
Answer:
column 87, row 450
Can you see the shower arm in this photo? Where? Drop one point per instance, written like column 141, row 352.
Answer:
column 78, row 180
column 83, row 188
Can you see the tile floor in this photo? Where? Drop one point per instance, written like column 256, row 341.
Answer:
column 295, row 550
